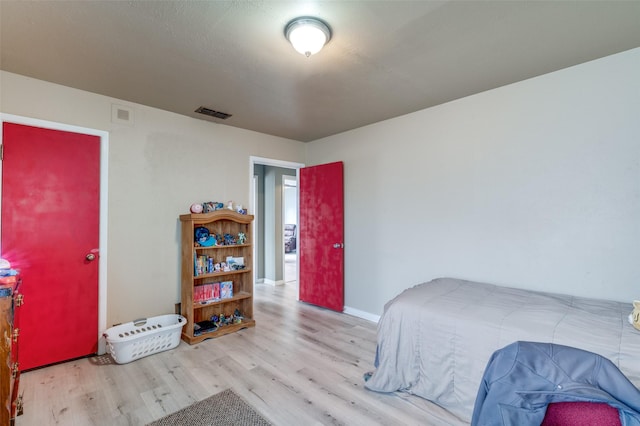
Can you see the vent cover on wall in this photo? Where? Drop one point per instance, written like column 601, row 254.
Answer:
column 213, row 113
column 121, row 114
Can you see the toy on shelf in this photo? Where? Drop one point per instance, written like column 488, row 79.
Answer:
column 222, row 319
column 212, row 206
column 203, row 238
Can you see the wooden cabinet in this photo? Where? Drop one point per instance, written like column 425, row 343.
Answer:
column 204, row 271
column 10, row 300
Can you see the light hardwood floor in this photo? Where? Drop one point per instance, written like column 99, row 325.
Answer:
column 300, row 365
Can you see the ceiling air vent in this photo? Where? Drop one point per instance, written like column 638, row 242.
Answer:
column 213, row 113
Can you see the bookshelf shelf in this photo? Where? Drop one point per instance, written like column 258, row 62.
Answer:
column 227, row 329
column 221, row 274
column 222, row 247
column 242, row 295
column 199, row 284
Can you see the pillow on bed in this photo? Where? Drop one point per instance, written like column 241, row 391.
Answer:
column 581, row 414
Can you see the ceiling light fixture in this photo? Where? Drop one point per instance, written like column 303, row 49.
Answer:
column 307, row 35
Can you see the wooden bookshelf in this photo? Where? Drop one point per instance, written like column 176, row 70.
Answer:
column 219, row 222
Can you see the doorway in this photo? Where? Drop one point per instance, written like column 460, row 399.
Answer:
column 273, row 183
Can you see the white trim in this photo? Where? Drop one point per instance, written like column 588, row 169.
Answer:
column 250, row 207
column 104, row 174
column 361, row 314
column 272, row 162
column 273, row 283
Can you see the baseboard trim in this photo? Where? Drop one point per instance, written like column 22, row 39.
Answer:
column 361, row 314
column 272, row 282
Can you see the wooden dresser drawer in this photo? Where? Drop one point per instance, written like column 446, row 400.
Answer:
column 10, row 301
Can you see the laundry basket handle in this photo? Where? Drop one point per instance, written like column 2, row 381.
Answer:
column 140, row 321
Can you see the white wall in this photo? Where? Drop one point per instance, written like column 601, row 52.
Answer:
column 158, row 167
column 534, row 185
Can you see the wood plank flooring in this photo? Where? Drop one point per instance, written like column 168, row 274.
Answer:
column 300, row 365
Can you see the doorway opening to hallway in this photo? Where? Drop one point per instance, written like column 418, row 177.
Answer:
column 275, row 207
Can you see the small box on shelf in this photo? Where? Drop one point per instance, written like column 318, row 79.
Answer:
column 226, row 289
column 206, row 293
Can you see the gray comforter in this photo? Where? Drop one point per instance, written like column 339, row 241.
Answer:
column 435, row 339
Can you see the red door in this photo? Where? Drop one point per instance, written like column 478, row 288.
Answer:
column 321, row 236
column 50, row 229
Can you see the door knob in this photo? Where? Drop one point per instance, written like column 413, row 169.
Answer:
column 90, row 257
column 338, row 245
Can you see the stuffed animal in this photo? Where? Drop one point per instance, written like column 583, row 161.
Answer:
column 203, row 237
column 634, row 317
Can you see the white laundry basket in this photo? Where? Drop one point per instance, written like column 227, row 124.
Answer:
column 143, row 337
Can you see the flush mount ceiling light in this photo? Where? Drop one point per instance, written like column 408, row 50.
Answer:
column 307, row 35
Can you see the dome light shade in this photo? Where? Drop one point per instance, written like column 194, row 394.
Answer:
column 307, row 35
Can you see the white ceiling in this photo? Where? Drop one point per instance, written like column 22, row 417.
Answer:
column 386, row 58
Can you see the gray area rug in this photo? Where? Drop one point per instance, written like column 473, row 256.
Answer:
column 223, row 409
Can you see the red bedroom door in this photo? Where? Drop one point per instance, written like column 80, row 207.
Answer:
column 321, row 235
column 50, row 229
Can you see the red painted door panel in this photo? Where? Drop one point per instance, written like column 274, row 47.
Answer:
column 50, row 223
column 321, row 236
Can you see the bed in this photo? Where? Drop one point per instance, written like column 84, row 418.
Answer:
column 435, row 339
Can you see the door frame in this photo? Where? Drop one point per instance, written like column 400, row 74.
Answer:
column 253, row 161
column 104, row 163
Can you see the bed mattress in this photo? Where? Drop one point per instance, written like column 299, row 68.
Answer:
column 435, row 339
